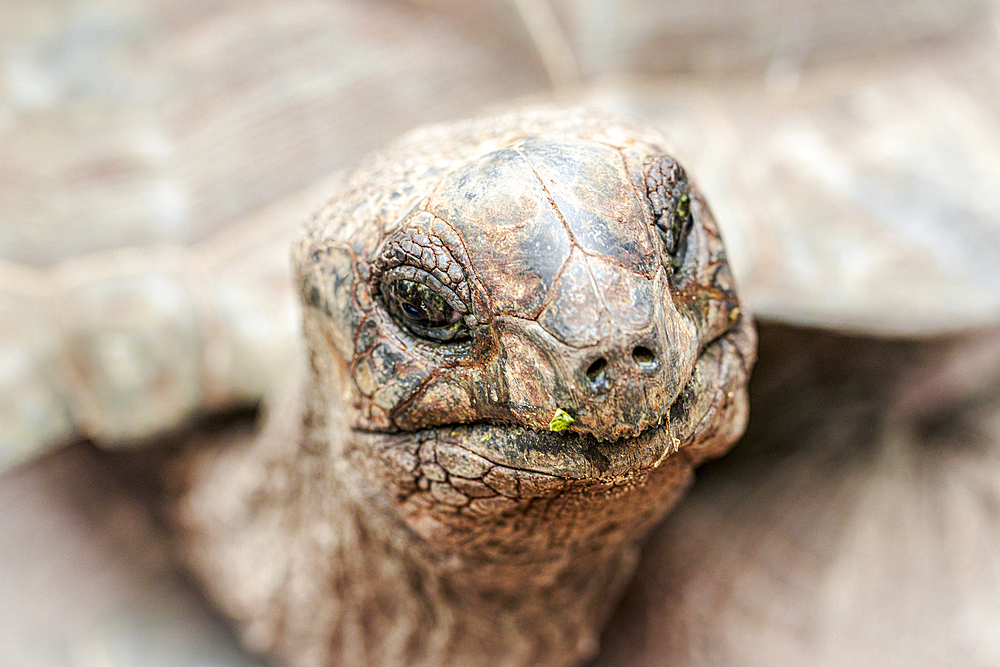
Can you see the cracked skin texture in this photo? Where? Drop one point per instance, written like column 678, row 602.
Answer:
column 409, row 505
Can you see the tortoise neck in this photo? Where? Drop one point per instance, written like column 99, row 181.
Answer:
column 409, row 580
column 319, row 564
column 404, row 604
column 396, row 598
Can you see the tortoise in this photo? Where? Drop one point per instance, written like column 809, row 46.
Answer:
column 236, row 557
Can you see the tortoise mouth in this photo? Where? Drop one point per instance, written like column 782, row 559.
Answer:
column 481, row 468
column 565, row 455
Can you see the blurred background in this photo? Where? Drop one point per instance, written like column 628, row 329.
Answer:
column 850, row 150
column 814, row 126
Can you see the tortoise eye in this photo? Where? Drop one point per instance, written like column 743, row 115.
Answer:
column 422, row 310
column 673, row 227
column 667, row 189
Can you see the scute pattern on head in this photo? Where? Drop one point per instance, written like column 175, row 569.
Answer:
column 538, row 229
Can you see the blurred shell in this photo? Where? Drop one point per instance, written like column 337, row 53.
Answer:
column 156, row 157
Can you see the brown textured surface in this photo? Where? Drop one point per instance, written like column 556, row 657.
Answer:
column 866, row 189
column 831, row 537
column 465, row 532
column 859, row 192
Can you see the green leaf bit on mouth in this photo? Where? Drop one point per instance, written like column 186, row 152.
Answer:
column 561, row 420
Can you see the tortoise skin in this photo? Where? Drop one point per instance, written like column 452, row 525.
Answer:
column 459, row 529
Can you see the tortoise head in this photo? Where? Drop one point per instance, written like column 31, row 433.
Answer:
column 515, row 306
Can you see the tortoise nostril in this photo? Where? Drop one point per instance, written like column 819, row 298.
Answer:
column 645, row 358
column 597, row 375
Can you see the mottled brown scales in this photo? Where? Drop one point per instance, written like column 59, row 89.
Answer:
column 466, row 285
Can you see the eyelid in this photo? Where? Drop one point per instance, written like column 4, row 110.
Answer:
column 407, row 272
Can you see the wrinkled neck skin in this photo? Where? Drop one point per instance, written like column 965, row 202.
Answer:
column 430, row 568
column 333, row 546
column 409, row 601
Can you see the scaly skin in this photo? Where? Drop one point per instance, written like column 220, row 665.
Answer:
column 411, row 505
